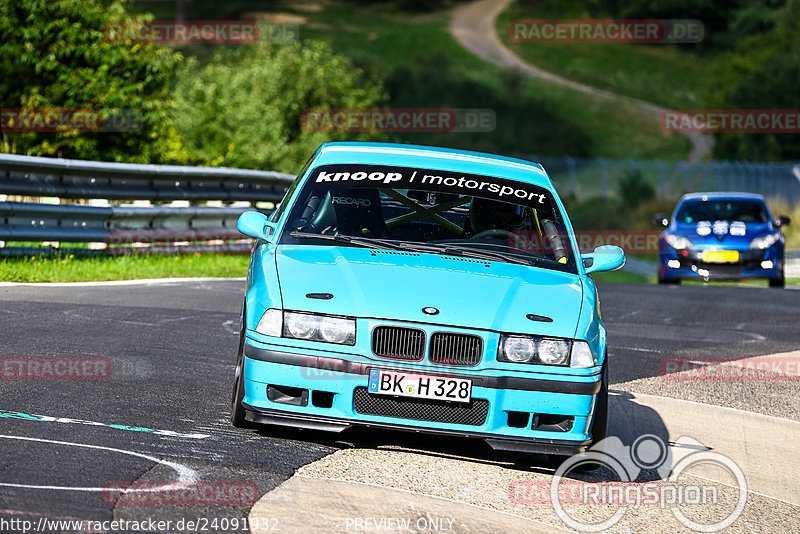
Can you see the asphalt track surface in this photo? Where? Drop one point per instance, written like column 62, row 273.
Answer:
column 172, row 350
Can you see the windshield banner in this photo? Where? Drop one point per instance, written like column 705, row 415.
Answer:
column 374, row 176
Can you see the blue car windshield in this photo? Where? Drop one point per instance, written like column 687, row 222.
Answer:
column 431, row 211
column 746, row 211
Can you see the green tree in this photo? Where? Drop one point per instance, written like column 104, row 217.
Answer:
column 633, row 189
column 763, row 73
column 245, row 108
column 54, row 54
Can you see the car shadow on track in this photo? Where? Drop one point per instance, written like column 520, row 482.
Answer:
column 628, row 421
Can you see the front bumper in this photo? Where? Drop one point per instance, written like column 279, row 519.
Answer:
column 342, row 382
column 692, row 267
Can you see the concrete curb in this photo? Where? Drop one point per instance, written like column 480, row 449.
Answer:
column 311, row 505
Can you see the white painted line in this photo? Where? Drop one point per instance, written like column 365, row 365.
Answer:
column 638, row 349
column 185, row 474
column 68, row 420
column 145, row 281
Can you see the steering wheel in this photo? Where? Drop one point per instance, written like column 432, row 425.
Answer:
column 497, row 233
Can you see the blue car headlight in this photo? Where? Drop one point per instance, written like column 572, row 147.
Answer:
column 545, row 350
column 764, row 242
column 677, row 242
column 310, row 326
column 539, row 350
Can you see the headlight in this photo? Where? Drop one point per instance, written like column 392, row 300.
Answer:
column 300, row 325
column 765, row 241
column 319, row 328
column 677, row 242
column 553, row 351
column 526, row 349
column 518, row 349
column 271, row 323
column 582, row 355
column 337, row 330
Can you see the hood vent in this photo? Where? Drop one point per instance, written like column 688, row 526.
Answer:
column 539, row 318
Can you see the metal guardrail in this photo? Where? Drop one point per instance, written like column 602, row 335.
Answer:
column 24, row 221
column 64, row 178
column 123, row 229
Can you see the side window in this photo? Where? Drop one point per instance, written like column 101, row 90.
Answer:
column 282, row 207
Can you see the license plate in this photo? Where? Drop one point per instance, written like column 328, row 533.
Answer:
column 720, row 256
column 419, row 386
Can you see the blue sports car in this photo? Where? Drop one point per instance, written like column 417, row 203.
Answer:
column 424, row 289
column 721, row 236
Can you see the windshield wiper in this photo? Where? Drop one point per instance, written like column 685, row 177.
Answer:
column 450, row 250
column 369, row 242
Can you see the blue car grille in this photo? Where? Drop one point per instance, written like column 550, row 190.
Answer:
column 398, row 343
column 455, row 349
column 473, row 414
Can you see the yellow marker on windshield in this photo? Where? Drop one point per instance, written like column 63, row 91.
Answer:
column 562, row 260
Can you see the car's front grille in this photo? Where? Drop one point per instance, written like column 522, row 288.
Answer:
column 472, row 414
column 455, row 349
column 398, row 343
column 723, row 269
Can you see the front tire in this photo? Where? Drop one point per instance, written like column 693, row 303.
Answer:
column 668, row 281
column 778, row 282
column 237, row 410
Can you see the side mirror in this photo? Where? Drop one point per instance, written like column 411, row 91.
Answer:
column 783, row 220
column 661, row 220
column 605, row 258
column 255, row 224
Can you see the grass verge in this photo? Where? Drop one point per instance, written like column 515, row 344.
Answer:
column 96, row 268
column 392, row 41
column 623, row 277
column 663, row 74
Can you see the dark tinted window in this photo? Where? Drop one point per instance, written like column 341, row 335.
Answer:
column 748, row 211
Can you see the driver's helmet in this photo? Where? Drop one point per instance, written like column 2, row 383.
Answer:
column 487, row 214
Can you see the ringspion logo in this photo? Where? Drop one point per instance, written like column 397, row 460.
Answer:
column 678, row 489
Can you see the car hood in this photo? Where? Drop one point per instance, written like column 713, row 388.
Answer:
column 721, row 233
column 397, row 285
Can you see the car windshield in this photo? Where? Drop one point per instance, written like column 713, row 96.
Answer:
column 431, row 211
column 747, row 211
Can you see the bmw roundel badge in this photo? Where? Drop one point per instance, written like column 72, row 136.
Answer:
column 430, row 310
